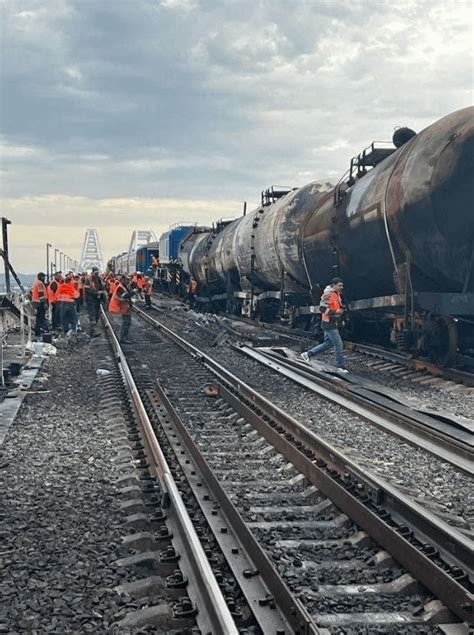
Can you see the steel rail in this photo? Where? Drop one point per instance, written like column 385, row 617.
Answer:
column 411, row 429
column 292, row 609
column 450, row 374
column 374, row 492
column 209, row 596
column 409, row 360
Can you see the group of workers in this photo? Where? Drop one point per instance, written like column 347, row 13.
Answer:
column 66, row 295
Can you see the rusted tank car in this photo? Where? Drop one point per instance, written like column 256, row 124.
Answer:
column 399, row 229
column 414, row 207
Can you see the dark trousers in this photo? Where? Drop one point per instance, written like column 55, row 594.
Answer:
column 148, row 301
column 126, row 322
column 40, row 324
column 68, row 316
column 93, row 310
column 56, row 315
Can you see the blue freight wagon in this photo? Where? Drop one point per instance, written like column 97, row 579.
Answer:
column 144, row 255
column 170, row 240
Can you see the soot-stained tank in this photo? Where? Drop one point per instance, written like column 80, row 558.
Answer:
column 415, row 204
column 272, row 234
column 188, row 243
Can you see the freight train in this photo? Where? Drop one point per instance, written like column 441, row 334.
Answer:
column 398, row 228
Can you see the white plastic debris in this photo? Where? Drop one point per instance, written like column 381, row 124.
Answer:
column 102, row 371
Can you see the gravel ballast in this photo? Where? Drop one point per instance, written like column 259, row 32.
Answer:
column 59, row 519
column 446, row 490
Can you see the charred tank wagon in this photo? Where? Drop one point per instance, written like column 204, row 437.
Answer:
column 398, row 228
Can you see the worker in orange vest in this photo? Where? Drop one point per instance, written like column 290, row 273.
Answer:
column 191, row 291
column 94, row 294
column 67, row 295
column 139, row 283
column 39, row 297
column 148, row 291
column 332, row 314
column 55, row 306
column 112, row 282
column 155, row 262
column 121, row 304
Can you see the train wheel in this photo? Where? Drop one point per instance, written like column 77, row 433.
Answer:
column 443, row 340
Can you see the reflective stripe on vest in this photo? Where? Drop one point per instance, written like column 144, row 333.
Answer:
column 38, row 292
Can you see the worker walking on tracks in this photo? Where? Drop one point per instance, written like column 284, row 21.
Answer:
column 39, row 298
column 121, row 303
column 331, row 321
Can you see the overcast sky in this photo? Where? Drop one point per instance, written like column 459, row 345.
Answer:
column 124, row 114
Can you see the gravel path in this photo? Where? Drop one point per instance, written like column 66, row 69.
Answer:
column 59, row 519
column 444, row 489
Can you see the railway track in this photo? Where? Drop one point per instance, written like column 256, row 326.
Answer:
column 441, row 433
column 305, row 514
column 449, row 438
column 375, row 356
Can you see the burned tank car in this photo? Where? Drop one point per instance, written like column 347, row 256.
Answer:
column 259, row 252
column 399, row 231
column 403, row 234
column 415, row 207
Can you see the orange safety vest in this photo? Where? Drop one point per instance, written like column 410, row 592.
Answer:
column 38, row 292
column 332, row 300
column 53, row 287
column 66, row 292
column 112, row 285
column 140, row 282
column 116, row 304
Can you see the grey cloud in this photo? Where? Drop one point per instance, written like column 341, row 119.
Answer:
column 203, row 98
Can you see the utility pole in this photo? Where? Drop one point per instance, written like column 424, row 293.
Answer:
column 48, row 246
column 56, row 260
column 5, row 223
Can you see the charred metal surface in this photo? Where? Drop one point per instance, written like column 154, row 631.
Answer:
column 418, row 200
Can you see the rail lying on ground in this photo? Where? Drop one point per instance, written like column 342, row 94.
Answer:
column 436, row 554
column 307, row 339
column 450, row 440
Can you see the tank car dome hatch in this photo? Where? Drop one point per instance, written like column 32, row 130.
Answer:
column 402, row 135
